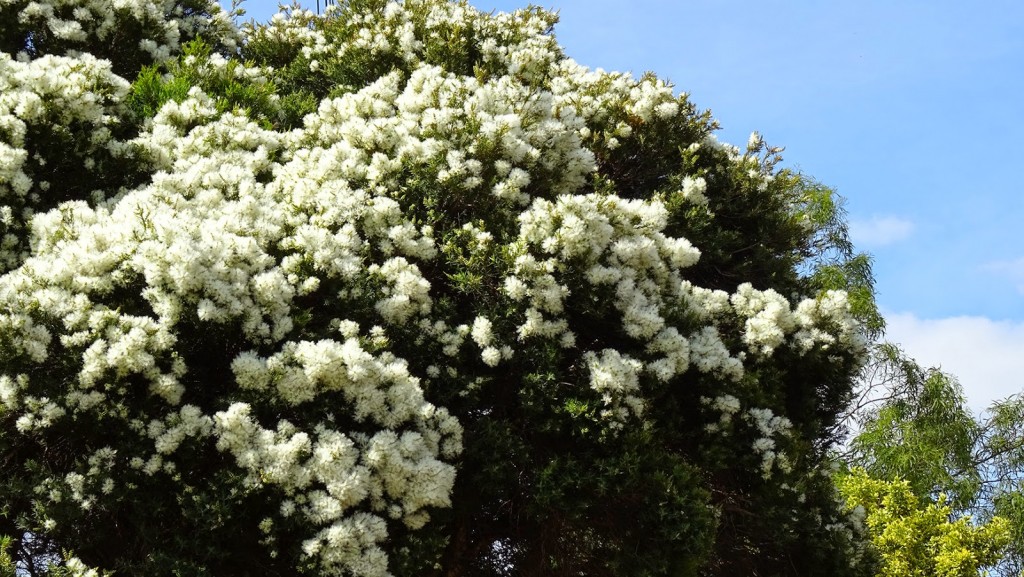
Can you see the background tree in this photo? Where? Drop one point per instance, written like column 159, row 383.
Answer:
column 404, row 289
column 914, row 427
column 1000, row 458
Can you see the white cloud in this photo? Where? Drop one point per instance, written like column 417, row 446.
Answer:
column 879, row 231
column 1013, row 269
column 985, row 355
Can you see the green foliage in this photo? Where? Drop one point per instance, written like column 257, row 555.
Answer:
column 7, row 567
column 833, row 260
column 151, row 90
column 999, row 456
column 233, row 87
column 916, row 537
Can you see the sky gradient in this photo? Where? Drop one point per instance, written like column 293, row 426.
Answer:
column 911, row 110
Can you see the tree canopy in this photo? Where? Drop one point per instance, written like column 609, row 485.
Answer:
column 403, row 290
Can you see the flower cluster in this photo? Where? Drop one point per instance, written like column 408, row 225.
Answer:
column 769, row 425
column 615, row 377
column 769, row 429
column 97, row 25
column 79, row 98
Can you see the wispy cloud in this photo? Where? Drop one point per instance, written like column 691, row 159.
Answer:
column 1012, row 269
column 879, row 231
column 985, row 355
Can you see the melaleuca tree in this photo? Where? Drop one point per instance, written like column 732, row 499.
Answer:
column 404, row 290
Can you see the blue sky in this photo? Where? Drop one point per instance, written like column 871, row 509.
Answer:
column 912, row 110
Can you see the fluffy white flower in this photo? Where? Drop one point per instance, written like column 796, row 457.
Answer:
column 693, row 190
column 616, row 378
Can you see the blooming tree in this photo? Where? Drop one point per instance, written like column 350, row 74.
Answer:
column 403, row 290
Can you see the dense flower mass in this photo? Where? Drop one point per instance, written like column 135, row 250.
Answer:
column 434, row 243
column 156, row 29
column 37, row 96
